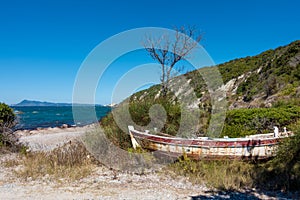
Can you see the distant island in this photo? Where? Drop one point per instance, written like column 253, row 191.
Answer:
column 40, row 103
column 45, row 103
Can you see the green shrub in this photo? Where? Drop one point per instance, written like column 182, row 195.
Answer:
column 7, row 117
column 282, row 172
column 114, row 133
column 243, row 122
column 7, row 121
column 289, row 89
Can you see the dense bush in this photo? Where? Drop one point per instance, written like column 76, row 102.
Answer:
column 243, row 122
column 7, row 121
column 115, row 124
column 282, row 172
column 7, row 117
column 114, row 133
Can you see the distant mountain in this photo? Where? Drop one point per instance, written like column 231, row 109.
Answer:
column 39, row 103
column 45, row 103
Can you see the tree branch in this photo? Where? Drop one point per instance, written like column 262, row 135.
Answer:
column 169, row 53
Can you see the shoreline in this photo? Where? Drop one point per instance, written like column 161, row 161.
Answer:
column 47, row 139
column 63, row 127
column 41, row 128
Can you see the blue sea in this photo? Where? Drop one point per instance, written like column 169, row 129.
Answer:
column 32, row 117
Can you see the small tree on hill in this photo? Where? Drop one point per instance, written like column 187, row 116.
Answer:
column 168, row 51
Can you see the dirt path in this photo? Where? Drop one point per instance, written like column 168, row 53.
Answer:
column 102, row 183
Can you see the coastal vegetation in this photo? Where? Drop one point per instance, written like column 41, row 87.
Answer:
column 7, row 121
column 262, row 91
column 67, row 163
column 7, row 117
column 250, row 121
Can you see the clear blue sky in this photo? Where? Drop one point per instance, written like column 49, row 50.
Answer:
column 43, row 43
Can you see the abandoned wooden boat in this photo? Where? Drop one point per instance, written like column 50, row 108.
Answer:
column 256, row 147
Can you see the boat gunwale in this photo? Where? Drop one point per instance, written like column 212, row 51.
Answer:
column 209, row 142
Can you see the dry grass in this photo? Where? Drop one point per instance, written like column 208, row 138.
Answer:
column 280, row 173
column 111, row 156
column 223, row 175
column 70, row 162
column 11, row 163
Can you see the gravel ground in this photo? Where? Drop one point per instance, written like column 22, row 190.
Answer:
column 103, row 183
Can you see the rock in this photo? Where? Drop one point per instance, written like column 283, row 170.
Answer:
column 64, row 126
column 19, row 169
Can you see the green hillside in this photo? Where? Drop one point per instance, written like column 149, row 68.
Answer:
column 273, row 72
column 262, row 91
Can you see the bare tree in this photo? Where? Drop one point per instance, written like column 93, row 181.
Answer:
column 168, row 51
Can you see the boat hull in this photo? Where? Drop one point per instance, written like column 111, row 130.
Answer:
column 255, row 147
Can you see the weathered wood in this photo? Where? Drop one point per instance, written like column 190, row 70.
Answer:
column 257, row 147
